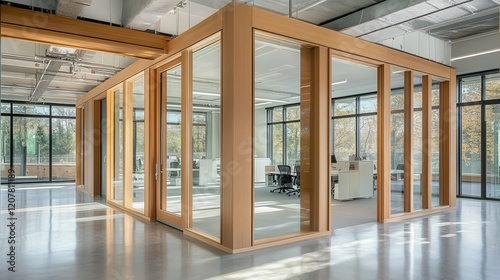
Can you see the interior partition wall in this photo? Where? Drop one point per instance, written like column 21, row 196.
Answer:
column 216, row 197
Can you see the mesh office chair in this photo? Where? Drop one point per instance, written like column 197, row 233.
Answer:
column 285, row 179
column 297, row 182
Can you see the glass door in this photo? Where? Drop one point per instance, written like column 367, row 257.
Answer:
column 169, row 195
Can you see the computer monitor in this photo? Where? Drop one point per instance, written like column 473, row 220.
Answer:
column 334, row 159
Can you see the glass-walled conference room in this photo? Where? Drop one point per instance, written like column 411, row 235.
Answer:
column 193, row 137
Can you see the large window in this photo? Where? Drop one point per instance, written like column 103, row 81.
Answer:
column 38, row 142
column 284, row 134
column 479, row 134
column 355, row 127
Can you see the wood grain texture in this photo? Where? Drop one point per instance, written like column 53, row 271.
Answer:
column 383, row 138
column 237, row 127
column 278, row 24
column 52, row 29
column 79, row 147
column 96, row 135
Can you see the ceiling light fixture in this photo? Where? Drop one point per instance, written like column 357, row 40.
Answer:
column 474, row 54
column 206, row 93
column 270, row 100
column 339, row 82
column 263, row 103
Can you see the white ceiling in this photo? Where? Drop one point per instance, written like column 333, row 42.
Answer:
column 276, row 75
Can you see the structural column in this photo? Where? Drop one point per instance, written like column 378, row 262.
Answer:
column 237, row 127
column 426, row 142
column 408, row 143
column 383, row 143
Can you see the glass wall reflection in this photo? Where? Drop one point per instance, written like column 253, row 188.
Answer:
column 206, row 135
column 397, row 140
column 277, row 159
column 138, row 100
column 435, row 144
column 117, row 187
column 417, row 142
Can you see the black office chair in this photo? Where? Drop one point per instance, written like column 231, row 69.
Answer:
column 297, row 182
column 285, row 179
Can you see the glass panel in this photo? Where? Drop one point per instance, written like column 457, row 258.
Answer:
column 206, row 155
column 63, row 149
column 30, row 109
column 368, row 138
column 6, row 108
column 368, row 104
column 397, row 141
column 493, row 86
column 172, row 141
column 436, row 191
column 471, row 151
column 63, row 111
column 292, row 143
column 31, row 148
column 292, row 113
column 117, row 194
column 493, row 151
column 277, row 79
column 346, row 106
column 344, row 138
column 138, row 100
column 277, row 114
column 471, row 89
column 417, row 142
column 5, row 160
column 277, row 143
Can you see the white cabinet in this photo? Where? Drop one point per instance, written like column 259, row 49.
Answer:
column 355, row 179
column 260, row 169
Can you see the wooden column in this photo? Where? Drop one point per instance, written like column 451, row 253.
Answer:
column 150, row 134
column 426, row 142
column 237, row 127
column 383, row 143
column 448, row 139
column 315, row 106
column 408, row 143
column 186, row 138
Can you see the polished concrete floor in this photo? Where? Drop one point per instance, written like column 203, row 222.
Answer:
column 61, row 233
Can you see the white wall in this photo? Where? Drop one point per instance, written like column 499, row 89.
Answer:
column 260, row 133
column 423, row 45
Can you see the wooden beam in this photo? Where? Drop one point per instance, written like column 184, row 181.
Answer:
column 408, row 141
column 186, row 138
column 383, row 138
column 321, row 120
column 426, row 142
column 284, row 26
column 51, row 29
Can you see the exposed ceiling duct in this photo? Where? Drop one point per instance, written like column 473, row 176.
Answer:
column 143, row 14
column 393, row 18
column 66, row 8
column 71, row 8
